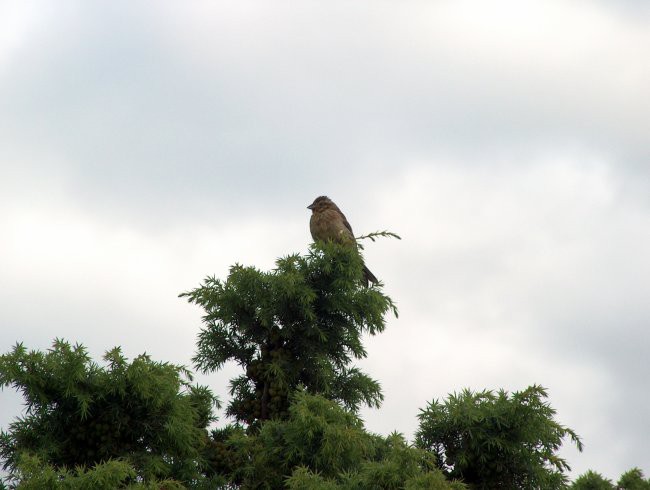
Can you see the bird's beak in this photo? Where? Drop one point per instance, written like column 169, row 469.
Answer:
column 311, row 206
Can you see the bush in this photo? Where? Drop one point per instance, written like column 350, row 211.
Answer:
column 79, row 414
column 322, row 445
column 300, row 324
column 495, row 440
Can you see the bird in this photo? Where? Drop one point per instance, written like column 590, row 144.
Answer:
column 328, row 223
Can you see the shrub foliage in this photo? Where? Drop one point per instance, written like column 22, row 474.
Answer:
column 496, row 440
column 80, row 414
column 300, row 324
column 295, row 331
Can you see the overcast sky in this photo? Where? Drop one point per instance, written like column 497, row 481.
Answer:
column 146, row 145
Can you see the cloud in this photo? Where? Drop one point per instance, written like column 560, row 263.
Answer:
column 211, row 102
column 511, row 275
column 444, row 73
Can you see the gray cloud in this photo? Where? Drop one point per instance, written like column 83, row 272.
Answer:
column 142, row 104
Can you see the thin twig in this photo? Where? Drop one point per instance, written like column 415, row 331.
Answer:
column 374, row 235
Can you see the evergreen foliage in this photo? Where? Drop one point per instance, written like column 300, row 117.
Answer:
column 630, row 480
column 497, row 441
column 80, row 414
column 592, row 481
column 33, row 474
column 295, row 331
column 300, row 324
column 322, row 445
column 633, row 480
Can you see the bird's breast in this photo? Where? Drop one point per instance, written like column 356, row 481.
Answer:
column 328, row 225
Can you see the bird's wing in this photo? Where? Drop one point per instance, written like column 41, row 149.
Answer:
column 347, row 224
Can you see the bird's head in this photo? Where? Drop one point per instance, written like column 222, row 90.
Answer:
column 321, row 203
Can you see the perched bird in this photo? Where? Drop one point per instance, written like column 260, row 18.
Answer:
column 327, row 222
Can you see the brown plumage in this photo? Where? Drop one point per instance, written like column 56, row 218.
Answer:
column 327, row 222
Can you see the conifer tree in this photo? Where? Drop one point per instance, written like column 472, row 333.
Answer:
column 633, row 480
column 300, row 324
column 295, row 331
column 592, row 480
column 321, row 445
column 497, row 440
column 144, row 416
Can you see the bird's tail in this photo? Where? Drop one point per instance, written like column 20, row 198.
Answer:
column 369, row 276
